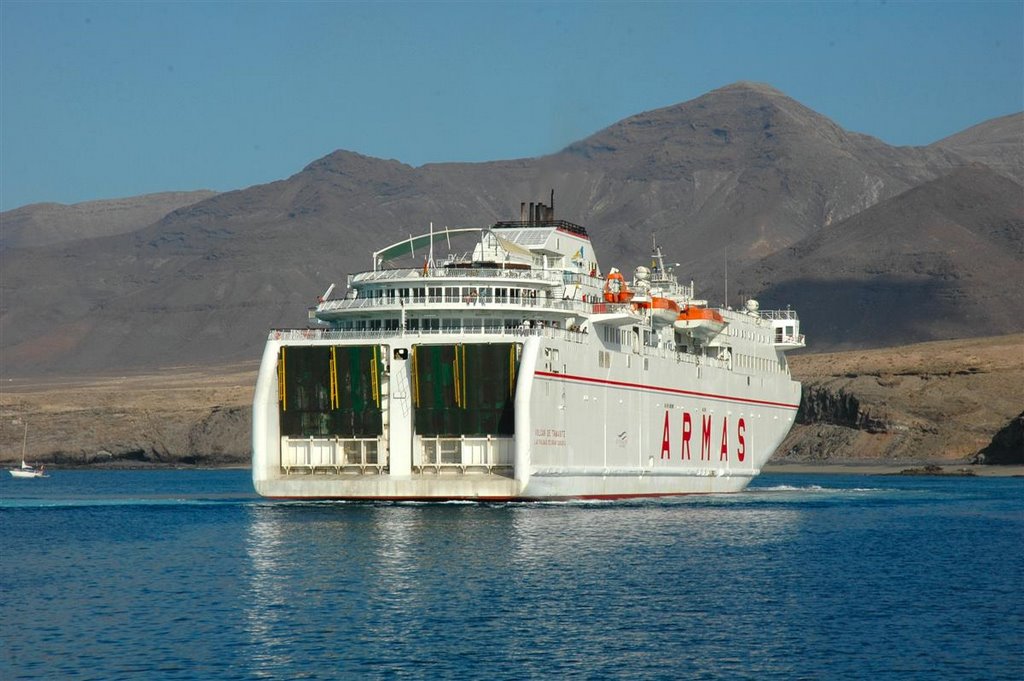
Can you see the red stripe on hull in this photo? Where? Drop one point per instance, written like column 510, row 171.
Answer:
column 655, row 388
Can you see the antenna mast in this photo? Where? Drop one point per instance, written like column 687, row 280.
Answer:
column 430, row 260
column 727, row 276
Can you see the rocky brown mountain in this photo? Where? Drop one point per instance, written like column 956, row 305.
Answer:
column 941, row 260
column 730, row 177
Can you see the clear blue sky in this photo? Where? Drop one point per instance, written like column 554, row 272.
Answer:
column 104, row 100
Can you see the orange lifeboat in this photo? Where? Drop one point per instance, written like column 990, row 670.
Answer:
column 664, row 310
column 699, row 321
column 615, row 288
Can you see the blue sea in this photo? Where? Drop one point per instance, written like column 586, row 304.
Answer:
column 189, row 575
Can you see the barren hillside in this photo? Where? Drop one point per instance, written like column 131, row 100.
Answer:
column 937, row 261
column 733, row 176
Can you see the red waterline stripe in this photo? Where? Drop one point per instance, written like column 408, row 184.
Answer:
column 655, row 388
column 502, row 499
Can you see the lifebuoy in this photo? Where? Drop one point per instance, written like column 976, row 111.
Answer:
column 615, row 288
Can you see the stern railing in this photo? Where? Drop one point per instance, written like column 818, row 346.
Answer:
column 332, row 455
column 463, row 454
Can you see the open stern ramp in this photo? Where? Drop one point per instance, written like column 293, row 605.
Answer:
column 430, row 420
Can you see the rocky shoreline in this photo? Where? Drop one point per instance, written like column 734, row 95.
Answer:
column 932, row 469
column 942, row 403
column 185, row 416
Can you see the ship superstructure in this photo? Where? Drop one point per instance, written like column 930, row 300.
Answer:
column 519, row 369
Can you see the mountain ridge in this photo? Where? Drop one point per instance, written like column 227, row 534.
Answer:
column 206, row 280
column 998, row 143
column 47, row 224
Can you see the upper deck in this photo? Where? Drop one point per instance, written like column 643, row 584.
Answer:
column 563, row 225
column 539, row 272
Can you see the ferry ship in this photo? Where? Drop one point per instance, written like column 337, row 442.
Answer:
column 517, row 369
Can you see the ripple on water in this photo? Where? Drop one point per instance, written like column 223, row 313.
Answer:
column 799, row 577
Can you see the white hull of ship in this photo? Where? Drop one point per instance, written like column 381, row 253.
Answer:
column 591, row 422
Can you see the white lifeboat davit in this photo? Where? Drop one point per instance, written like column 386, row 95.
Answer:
column 699, row 322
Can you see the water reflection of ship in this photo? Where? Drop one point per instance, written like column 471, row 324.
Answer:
column 269, row 590
column 358, row 579
column 545, row 540
column 398, row 561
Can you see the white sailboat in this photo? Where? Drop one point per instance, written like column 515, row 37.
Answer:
column 27, row 471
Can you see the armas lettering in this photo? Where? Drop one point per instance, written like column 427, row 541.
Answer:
column 706, row 429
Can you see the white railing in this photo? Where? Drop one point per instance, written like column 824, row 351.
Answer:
column 463, row 454
column 289, row 335
column 440, row 273
column 438, row 302
column 777, row 314
column 795, row 341
column 332, row 455
column 330, row 334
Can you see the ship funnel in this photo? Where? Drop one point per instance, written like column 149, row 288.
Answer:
column 538, row 211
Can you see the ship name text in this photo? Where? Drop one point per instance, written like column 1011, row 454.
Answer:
column 684, row 436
